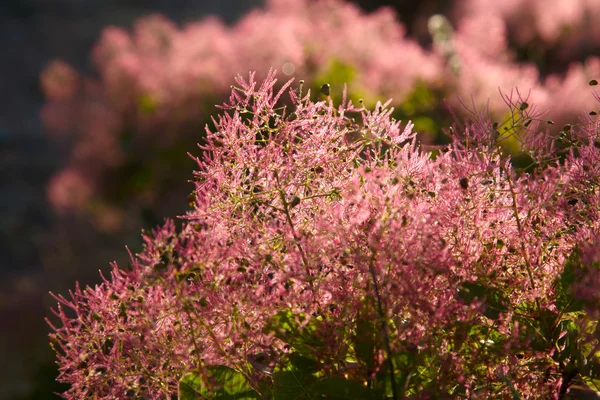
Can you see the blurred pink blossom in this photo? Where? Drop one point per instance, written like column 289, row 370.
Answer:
column 59, row 80
column 69, row 190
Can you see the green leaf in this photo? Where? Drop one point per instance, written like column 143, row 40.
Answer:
column 292, row 384
column 303, row 363
column 460, row 334
column 365, row 341
column 494, row 301
column 340, row 388
column 336, row 74
column 406, row 363
column 147, row 104
column 547, row 322
column 286, row 327
column 293, row 379
column 591, row 371
column 224, row 384
column 566, row 344
column 571, row 275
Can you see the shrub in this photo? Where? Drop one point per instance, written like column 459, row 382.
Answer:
column 123, row 131
column 328, row 255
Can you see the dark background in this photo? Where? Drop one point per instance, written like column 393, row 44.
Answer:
column 32, row 33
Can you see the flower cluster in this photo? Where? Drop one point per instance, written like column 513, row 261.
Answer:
column 326, row 246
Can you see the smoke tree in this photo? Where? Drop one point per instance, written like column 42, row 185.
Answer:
column 328, row 255
column 122, row 129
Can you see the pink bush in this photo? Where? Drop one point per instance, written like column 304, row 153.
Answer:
column 338, row 219
column 333, row 217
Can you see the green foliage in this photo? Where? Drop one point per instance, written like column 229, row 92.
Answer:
column 339, row 388
column 299, row 378
column 493, row 300
column 224, row 384
column 423, row 108
column 421, row 99
column 286, row 326
column 336, row 74
column 294, row 380
column 365, row 342
column 300, row 374
column 147, row 104
column 564, row 284
column 297, row 382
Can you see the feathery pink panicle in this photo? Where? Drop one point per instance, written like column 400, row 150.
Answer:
column 326, row 212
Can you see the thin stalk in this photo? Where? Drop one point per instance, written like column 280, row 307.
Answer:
column 384, row 329
column 288, row 217
column 520, row 229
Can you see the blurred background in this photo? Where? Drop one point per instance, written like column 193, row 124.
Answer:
column 32, row 34
column 103, row 99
